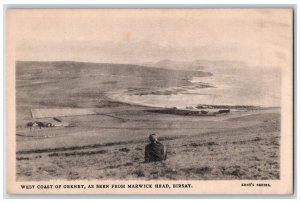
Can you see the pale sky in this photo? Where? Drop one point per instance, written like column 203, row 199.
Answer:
column 258, row 37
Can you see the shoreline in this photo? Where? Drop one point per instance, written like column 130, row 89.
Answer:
column 199, row 106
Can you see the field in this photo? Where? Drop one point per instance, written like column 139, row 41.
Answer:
column 110, row 144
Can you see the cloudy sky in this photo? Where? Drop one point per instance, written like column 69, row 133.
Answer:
column 258, row 37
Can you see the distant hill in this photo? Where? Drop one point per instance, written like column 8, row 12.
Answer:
column 199, row 65
column 66, row 69
column 176, row 65
column 73, row 84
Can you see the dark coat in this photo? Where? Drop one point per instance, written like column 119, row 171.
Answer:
column 155, row 152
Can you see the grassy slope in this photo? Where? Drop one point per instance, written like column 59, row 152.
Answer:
column 227, row 149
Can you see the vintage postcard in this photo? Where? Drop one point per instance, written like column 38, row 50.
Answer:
column 149, row 101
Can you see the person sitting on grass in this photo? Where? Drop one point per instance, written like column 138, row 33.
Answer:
column 155, row 151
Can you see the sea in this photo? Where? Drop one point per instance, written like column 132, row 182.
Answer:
column 246, row 87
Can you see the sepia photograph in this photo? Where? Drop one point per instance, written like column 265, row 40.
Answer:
column 164, row 100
